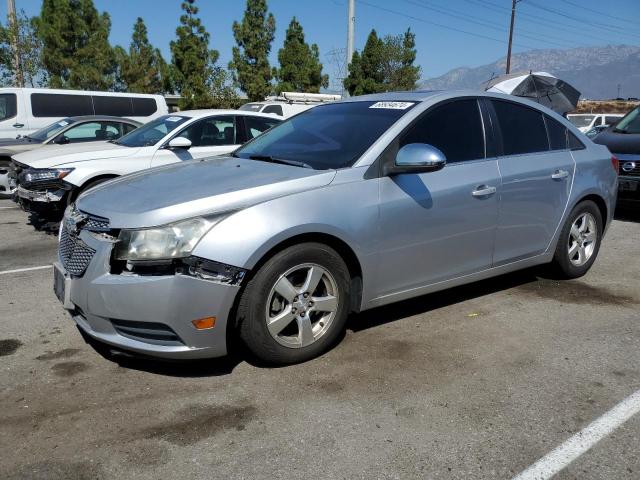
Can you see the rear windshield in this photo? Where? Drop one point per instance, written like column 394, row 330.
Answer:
column 51, row 130
column 251, row 107
column 581, row 120
column 630, row 123
column 152, row 132
column 327, row 136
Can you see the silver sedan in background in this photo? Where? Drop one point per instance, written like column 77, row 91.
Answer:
column 348, row 206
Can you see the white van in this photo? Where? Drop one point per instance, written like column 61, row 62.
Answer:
column 587, row 121
column 25, row 110
column 288, row 104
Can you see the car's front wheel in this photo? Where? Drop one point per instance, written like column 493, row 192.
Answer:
column 296, row 305
column 579, row 241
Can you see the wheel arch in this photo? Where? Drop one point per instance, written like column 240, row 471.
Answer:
column 600, row 203
column 87, row 183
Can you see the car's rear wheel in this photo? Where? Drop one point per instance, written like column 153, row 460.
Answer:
column 579, row 241
column 296, row 305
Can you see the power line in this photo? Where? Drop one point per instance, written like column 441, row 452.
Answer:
column 446, row 27
column 577, row 5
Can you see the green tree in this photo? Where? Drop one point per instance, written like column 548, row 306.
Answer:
column 250, row 65
column 193, row 63
column 142, row 69
column 30, row 71
column 384, row 65
column 76, row 51
column 300, row 68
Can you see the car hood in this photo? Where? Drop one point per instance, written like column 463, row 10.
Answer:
column 619, row 142
column 12, row 146
column 193, row 188
column 54, row 155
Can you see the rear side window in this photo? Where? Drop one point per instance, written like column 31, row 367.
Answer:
column 455, row 128
column 251, row 107
column 143, row 107
column 116, row 106
column 8, row 106
column 256, row 125
column 522, row 128
column 574, row 142
column 277, row 109
column 557, row 134
column 57, row 105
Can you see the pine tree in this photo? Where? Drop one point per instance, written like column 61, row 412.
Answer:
column 193, row 64
column 300, row 68
column 142, row 69
column 384, row 65
column 76, row 51
column 250, row 65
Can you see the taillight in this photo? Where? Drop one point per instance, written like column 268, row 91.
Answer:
column 616, row 163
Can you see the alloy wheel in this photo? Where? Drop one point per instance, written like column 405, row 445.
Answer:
column 582, row 239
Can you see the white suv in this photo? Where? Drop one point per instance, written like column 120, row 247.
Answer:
column 48, row 180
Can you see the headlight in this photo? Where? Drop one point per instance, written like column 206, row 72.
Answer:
column 40, row 174
column 171, row 241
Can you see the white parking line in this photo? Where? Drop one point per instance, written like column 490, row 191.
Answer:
column 9, row 208
column 582, row 441
column 29, row 269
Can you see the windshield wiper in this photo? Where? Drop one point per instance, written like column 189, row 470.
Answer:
column 283, row 161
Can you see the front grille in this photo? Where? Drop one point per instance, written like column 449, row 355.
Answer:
column 148, row 332
column 96, row 224
column 75, row 255
column 633, row 166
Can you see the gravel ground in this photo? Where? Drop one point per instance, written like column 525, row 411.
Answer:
column 475, row 382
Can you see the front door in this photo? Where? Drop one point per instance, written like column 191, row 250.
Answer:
column 537, row 172
column 209, row 137
column 439, row 225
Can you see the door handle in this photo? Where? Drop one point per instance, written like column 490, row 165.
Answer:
column 483, row 191
column 18, row 125
column 560, row 174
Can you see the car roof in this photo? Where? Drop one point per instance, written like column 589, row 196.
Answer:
column 213, row 111
column 107, row 118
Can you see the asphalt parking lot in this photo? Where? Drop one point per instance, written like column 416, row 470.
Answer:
column 476, row 382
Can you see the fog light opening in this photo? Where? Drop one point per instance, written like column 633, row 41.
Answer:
column 204, row 323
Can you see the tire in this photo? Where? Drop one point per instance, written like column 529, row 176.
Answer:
column 577, row 249
column 308, row 325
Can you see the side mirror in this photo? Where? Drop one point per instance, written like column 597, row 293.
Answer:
column 180, row 142
column 417, row 158
column 61, row 140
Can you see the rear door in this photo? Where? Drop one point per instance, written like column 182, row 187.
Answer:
column 439, row 225
column 537, row 172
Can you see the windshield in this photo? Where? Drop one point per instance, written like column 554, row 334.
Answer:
column 327, row 136
column 251, row 107
column 51, row 130
column 581, row 120
column 630, row 123
column 152, row 132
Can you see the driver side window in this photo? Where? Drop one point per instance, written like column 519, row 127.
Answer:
column 455, row 128
column 214, row 131
column 90, row 132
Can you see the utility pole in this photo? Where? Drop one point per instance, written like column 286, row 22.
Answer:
column 15, row 34
column 351, row 27
column 513, row 18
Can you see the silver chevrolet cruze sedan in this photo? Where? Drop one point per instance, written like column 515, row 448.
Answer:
column 345, row 207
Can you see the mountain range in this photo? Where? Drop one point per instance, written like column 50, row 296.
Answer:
column 595, row 71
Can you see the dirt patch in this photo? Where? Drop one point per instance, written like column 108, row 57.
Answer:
column 9, row 346
column 199, row 422
column 56, row 471
column 146, row 453
column 574, row 292
column 66, row 353
column 69, row 369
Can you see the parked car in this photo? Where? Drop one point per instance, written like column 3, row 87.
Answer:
column 84, row 129
column 623, row 141
column 595, row 131
column 25, row 110
column 347, row 206
column 49, row 179
column 289, row 103
column 586, row 121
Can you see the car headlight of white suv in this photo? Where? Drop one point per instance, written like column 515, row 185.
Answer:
column 175, row 240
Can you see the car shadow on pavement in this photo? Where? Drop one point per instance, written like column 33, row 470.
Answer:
column 626, row 213
column 42, row 224
column 433, row 301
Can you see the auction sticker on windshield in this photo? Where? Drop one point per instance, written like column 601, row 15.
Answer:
column 174, row 119
column 392, row 105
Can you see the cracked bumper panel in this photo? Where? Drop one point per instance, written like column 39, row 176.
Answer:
column 151, row 307
column 44, row 196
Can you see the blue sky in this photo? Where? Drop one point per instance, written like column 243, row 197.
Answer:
column 449, row 33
